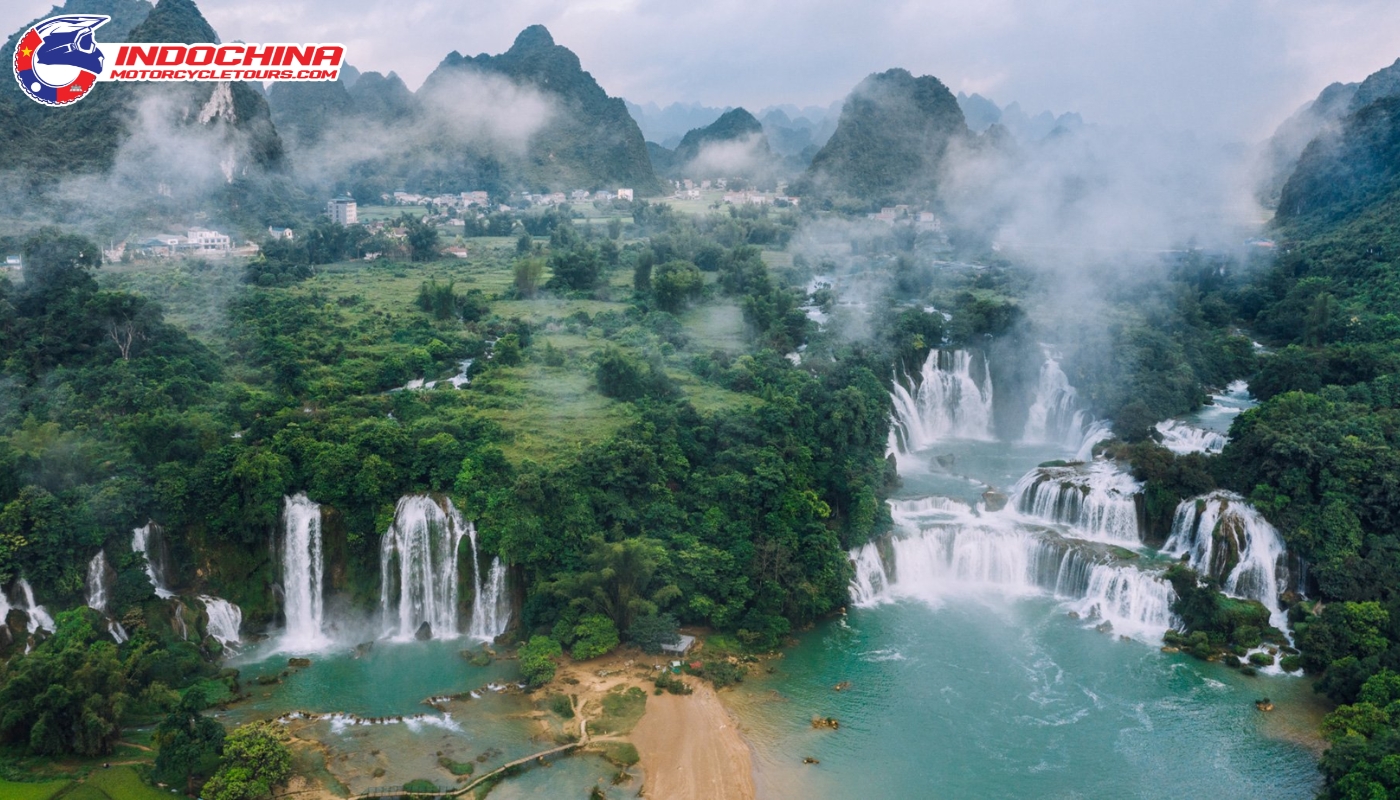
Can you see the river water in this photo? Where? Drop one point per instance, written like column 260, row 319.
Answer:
column 970, row 678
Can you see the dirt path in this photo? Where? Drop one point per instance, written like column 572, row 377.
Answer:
column 691, row 748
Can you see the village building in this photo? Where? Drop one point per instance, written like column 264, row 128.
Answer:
column 343, row 210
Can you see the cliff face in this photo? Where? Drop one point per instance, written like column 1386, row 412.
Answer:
column 1353, row 165
column 891, row 139
column 589, row 140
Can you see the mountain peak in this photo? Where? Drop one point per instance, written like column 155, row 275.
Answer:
column 174, row 21
column 534, row 37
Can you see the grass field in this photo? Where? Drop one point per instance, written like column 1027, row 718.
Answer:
column 32, row 791
column 546, row 412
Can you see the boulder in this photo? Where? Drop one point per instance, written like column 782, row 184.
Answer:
column 994, row 500
column 424, row 633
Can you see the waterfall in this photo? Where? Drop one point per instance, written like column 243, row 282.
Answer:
column 38, row 617
column 1095, row 431
column 491, row 610
column 1181, row 438
column 1223, row 537
column 947, row 400
column 418, row 568
column 1097, row 502
column 993, row 557
column 96, row 583
column 302, row 567
column 225, row 618
column 1055, row 415
column 146, row 541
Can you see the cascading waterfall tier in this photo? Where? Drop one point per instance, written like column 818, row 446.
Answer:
column 491, row 608
column 951, row 397
column 303, row 565
column 39, row 618
column 1223, row 537
column 96, row 584
column 225, row 619
column 1056, row 415
column 995, row 556
column 418, row 568
column 1097, row 501
column 1182, row 438
column 146, row 541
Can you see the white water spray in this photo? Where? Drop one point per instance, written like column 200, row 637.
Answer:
column 145, row 540
column 1223, row 537
column 1182, row 438
column 225, row 619
column 491, row 609
column 952, row 398
column 1096, row 501
column 418, row 568
column 38, row 617
column 302, row 570
column 96, row 583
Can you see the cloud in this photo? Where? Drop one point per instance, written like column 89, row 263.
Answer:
column 1232, row 66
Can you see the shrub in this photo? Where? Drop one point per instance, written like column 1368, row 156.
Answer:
column 537, row 660
column 1261, row 659
column 594, row 635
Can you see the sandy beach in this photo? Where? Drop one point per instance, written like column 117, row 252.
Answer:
column 691, row 748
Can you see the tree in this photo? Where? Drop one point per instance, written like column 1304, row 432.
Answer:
column 524, row 244
column 256, row 759
column 675, row 284
column 537, row 660
column 528, row 272
column 422, row 237
column 594, row 635
column 578, row 268
column 57, row 262
column 507, row 351
column 188, row 743
column 651, row 631
column 619, row 580
column 641, row 273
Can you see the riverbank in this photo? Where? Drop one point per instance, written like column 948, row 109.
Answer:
column 690, row 745
column 691, row 748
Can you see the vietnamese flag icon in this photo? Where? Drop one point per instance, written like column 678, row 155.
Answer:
column 24, row 51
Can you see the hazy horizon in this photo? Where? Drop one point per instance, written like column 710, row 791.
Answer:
column 1234, row 69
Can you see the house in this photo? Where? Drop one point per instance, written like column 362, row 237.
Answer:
column 681, row 646
column 459, row 252
column 114, row 254
column 211, row 242
column 624, row 194
column 280, row 233
column 579, row 195
column 13, row 262
column 343, row 210
column 602, row 195
column 475, row 199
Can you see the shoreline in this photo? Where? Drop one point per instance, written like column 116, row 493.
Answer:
column 692, row 749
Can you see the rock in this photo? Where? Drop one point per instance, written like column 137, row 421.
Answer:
column 1169, row 649
column 424, row 632
column 810, row 760
column 825, row 722
column 362, row 649
column 1074, row 615
column 298, row 662
column 994, row 500
column 946, row 460
column 842, row 686
column 1104, row 627
column 1264, row 705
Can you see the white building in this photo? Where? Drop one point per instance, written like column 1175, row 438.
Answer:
column 579, row 195
column 475, row 199
column 280, row 233
column 208, row 242
column 343, row 210
column 624, row 194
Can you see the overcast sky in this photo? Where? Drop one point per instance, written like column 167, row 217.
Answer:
column 1233, row 67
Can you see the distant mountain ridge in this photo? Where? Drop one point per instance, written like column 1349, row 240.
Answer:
column 890, row 141
column 1352, row 164
column 587, row 141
